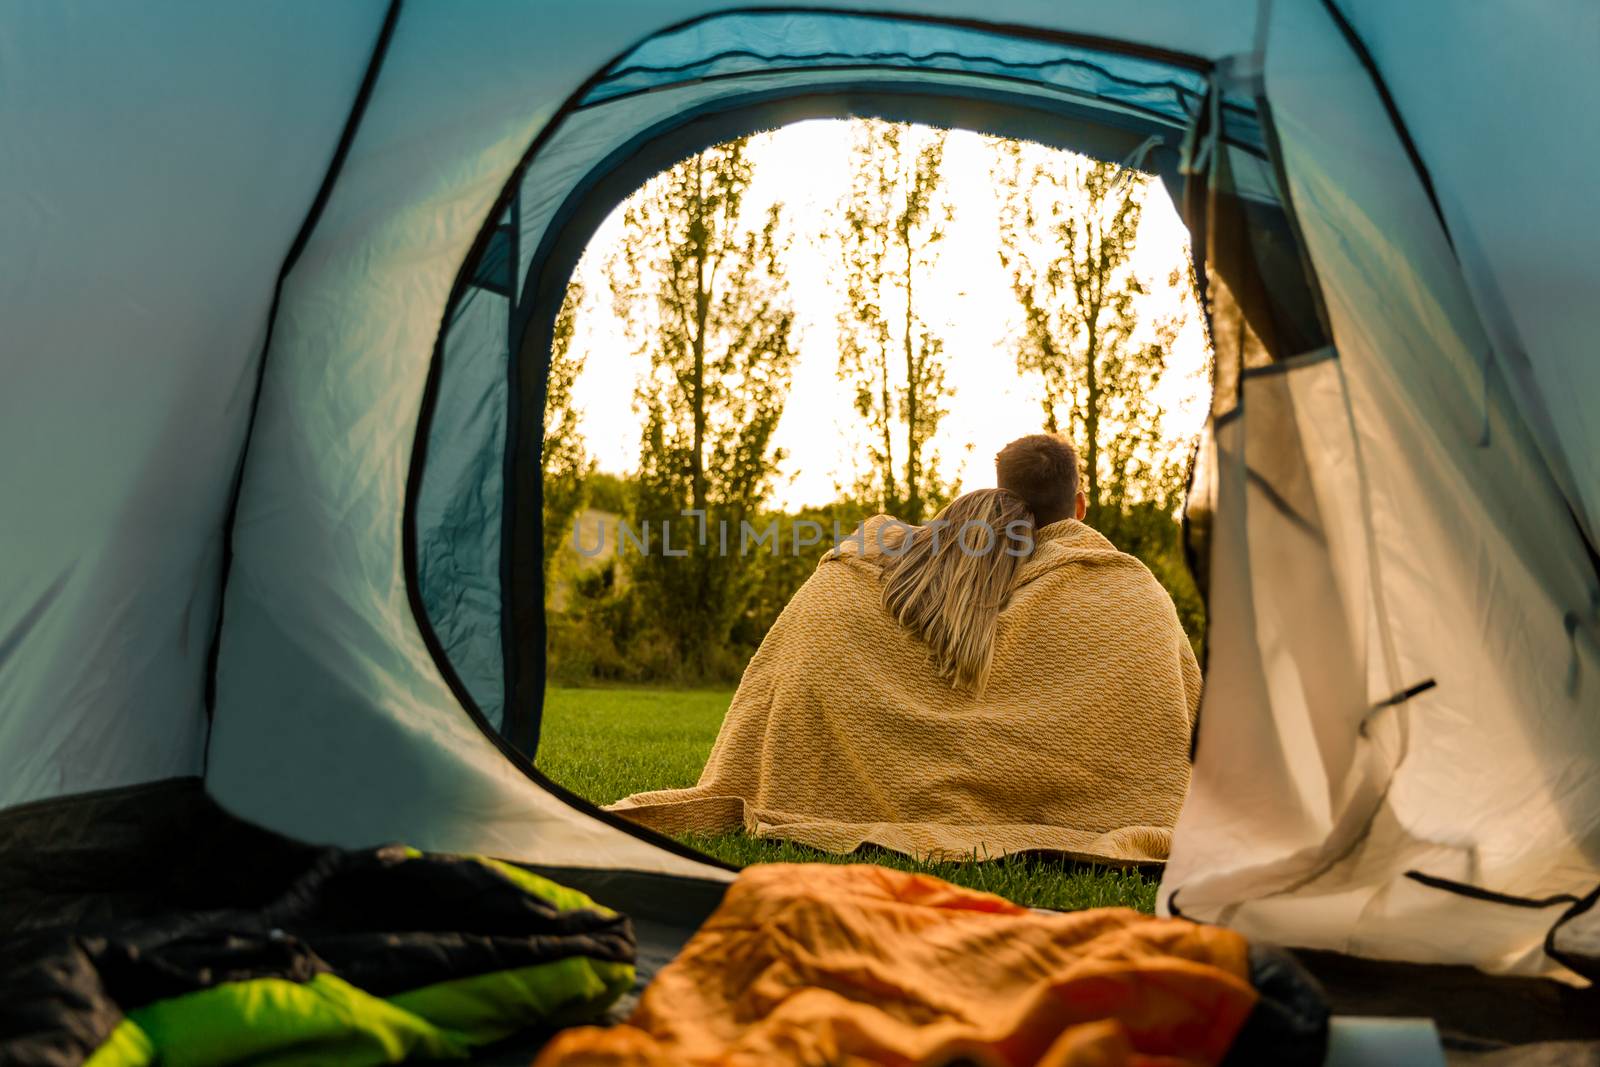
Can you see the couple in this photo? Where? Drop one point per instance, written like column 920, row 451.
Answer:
column 1000, row 680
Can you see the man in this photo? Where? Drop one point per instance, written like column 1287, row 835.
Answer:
column 1118, row 621
column 1043, row 470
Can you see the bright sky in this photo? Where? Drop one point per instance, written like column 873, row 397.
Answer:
column 806, row 166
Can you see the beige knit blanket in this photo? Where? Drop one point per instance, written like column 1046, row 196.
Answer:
column 841, row 734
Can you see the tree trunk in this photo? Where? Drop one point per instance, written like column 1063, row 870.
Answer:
column 1095, row 284
column 891, row 499
column 702, row 308
column 913, row 513
column 1091, row 427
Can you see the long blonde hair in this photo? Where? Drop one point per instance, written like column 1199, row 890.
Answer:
column 946, row 582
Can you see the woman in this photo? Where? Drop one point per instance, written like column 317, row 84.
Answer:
column 946, row 582
column 972, row 687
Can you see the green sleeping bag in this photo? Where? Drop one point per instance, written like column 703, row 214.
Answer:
column 371, row 957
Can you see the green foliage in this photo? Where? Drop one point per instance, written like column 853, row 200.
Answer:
column 892, row 224
column 583, row 643
column 603, row 613
column 563, row 461
column 605, row 744
column 610, row 492
column 702, row 292
column 607, row 634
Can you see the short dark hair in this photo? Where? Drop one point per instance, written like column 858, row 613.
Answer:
column 1043, row 470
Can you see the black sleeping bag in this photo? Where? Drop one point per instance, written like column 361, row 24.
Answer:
column 371, row 956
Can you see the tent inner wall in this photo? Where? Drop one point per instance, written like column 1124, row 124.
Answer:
column 1526, row 240
column 1453, row 562
column 459, row 506
column 334, row 721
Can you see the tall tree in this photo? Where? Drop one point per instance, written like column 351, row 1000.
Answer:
column 1067, row 230
column 563, row 460
column 702, row 292
column 891, row 229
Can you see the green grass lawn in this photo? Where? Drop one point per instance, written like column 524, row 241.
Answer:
column 605, row 744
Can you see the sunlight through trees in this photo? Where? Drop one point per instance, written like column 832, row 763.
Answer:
column 892, row 225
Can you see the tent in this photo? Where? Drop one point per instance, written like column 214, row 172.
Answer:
column 278, row 283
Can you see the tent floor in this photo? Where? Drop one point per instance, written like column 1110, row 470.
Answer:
column 1477, row 1014
column 121, row 853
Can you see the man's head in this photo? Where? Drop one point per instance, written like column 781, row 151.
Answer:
column 1043, row 470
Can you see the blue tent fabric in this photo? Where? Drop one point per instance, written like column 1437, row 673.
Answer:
column 459, row 505
column 763, row 42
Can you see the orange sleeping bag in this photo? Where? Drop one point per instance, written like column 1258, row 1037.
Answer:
column 853, row 965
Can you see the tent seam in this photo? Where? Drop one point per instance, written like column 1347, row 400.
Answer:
column 1134, row 110
column 302, row 238
column 918, row 57
column 1370, row 65
column 1187, row 60
column 1490, row 896
column 1562, row 957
